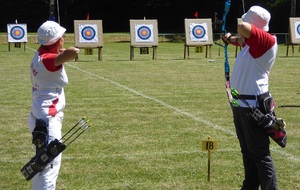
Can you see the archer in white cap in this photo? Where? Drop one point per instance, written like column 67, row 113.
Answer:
column 48, row 78
column 250, row 77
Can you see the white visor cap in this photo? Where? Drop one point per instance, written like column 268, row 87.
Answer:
column 258, row 16
column 49, row 33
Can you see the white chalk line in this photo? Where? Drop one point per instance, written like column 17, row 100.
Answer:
column 215, row 126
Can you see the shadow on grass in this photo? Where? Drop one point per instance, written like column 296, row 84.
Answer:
column 289, row 106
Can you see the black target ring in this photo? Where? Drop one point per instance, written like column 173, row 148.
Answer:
column 88, row 33
column 144, row 33
column 17, row 32
column 198, row 31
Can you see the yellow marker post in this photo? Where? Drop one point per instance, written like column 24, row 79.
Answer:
column 209, row 146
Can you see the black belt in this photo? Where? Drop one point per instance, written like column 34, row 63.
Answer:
column 253, row 97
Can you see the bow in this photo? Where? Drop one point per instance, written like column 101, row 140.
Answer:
column 226, row 63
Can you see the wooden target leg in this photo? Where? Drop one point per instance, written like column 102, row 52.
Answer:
column 131, row 52
column 184, row 53
column 100, row 53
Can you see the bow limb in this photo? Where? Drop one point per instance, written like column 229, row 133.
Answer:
column 226, row 63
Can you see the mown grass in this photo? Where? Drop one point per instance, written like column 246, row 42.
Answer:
column 149, row 118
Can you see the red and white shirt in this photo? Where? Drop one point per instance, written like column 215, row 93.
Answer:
column 48, row 83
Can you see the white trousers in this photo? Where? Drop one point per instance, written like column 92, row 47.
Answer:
column 46, row 179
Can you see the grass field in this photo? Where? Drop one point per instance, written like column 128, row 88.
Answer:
column 149, row 118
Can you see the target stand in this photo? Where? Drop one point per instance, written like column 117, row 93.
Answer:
column 17, row 35
column 187, row 50
column 17, row 45
column 142, row 49
column 198, row 33
column 143, row 35
column 88, row 36
column 294, row 34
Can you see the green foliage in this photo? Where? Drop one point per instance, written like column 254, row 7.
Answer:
column 149, row 118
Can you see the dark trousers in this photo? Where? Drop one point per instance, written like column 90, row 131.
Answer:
column 258, row 164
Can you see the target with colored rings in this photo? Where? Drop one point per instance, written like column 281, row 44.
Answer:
column 298, row 29
column 88, row 33
column 144, row 32
column 17, row 32
column 198, row 31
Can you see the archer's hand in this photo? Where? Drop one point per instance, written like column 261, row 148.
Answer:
column 225, row 37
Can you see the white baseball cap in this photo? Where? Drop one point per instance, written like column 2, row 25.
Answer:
column 50, row 32
column 258, row 16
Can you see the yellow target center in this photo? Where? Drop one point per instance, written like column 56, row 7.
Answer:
column 199, row 32
column 144, row 32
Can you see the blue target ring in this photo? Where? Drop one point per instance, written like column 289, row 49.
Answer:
column 298, row 28
column 17, row 32
column 199, row 31
column 88, row 33
column 144, row 32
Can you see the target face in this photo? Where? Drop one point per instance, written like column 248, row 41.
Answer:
column 144, row 32
column 297, row 30
column 88, row 33
column 17, row 32
column 198, row 31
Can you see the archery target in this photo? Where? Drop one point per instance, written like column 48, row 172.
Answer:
column 297, row 30
column 198, row 32
column 144, row 33
column 88, row 33
column 17, row 32
column 294, row 30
